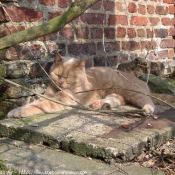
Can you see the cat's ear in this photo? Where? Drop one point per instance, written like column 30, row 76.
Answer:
column 57, row 58
column 80, row 63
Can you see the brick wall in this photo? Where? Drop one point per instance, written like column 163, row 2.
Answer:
column 131, row 28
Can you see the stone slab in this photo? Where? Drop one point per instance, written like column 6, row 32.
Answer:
column 89, row 134
column 35, row 159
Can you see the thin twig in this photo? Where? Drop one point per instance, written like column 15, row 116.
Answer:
column 152, row 96
column 73, row 106
column 24, row 44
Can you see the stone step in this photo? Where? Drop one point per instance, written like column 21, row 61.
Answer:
column 106, row 137
column 36, row 159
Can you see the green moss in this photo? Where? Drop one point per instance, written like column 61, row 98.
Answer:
column 89, row 150
column 78, row 148
column 2, row 165
column 2, row 70
column 5, row 170
column 4, row 131
column 160, row 85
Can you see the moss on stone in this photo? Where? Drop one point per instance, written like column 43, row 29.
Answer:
column 5, row 170
column 3, row 70
column 84, row 149
column 160, row 85
column 4, row 132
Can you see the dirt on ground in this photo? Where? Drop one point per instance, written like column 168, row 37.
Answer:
column 161, row 157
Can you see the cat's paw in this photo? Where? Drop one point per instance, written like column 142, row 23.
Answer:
column 19, row 113
column 97, row 104
column 149, row 109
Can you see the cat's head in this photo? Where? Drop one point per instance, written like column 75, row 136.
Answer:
column 67, row 72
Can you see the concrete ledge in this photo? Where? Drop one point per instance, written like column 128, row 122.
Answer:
column 90, row 134
column 35, row 159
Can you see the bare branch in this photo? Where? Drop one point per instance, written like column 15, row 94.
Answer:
column 152, row 96
column 72, row 106
column 51, row 26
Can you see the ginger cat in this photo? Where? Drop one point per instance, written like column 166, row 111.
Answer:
column 70, row 74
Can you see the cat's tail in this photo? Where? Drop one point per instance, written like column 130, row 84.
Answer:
column 163, row 99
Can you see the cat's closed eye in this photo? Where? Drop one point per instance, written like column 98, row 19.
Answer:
column 58, row 75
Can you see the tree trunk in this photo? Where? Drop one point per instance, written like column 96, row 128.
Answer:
column 51, row 26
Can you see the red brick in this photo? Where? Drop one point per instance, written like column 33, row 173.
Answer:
column 22, row 14
column 141, row 32
column 2, row 15
column 96, row 33
column 162, row 33
column 30, row 1
column 82, row 32
column 47, row 2
column 89, row 63
column 64, row 4
column 150, row 9
column 172, row 9
column 113, row 60
column 149, row 33
column 171, row 53
column 168, row 21
column 108, row 5
column 151, row 55
column 148, row 45
column 96, row 6
column 167, row 43
column 172, row 31
column 109, row 46
column 4, row 31
column 92, row 18
column 22, row 52
column 11, row 54
column 120, row 6
column 132, row 8
column 154, row 21
column 133, row 56
column 61, row 47
column 142, row 9
column 75, row 21
column 139, row 20
column 161, row 10
column 52, row 47
column 121, row 32
column 130, row 45
column 53, row 14
column 37, row 71
column 109, row 33
column 66, row 33
column 162, row 54
column 123, row 57
column 100, row 60
column 131, row 33
column 52, row 36
column 169, row 1
column 82, row 49
column 117, row 19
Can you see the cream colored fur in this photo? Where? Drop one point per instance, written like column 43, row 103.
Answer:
column 70, row 74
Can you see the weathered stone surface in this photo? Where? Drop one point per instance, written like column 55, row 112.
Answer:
column 35, row 159
column 12, row 92
column 24, row 69
column 140, row 66
column 160, row 85
column 17, row 70
column 25, row 52
column 20, row 14
column 91, row 134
